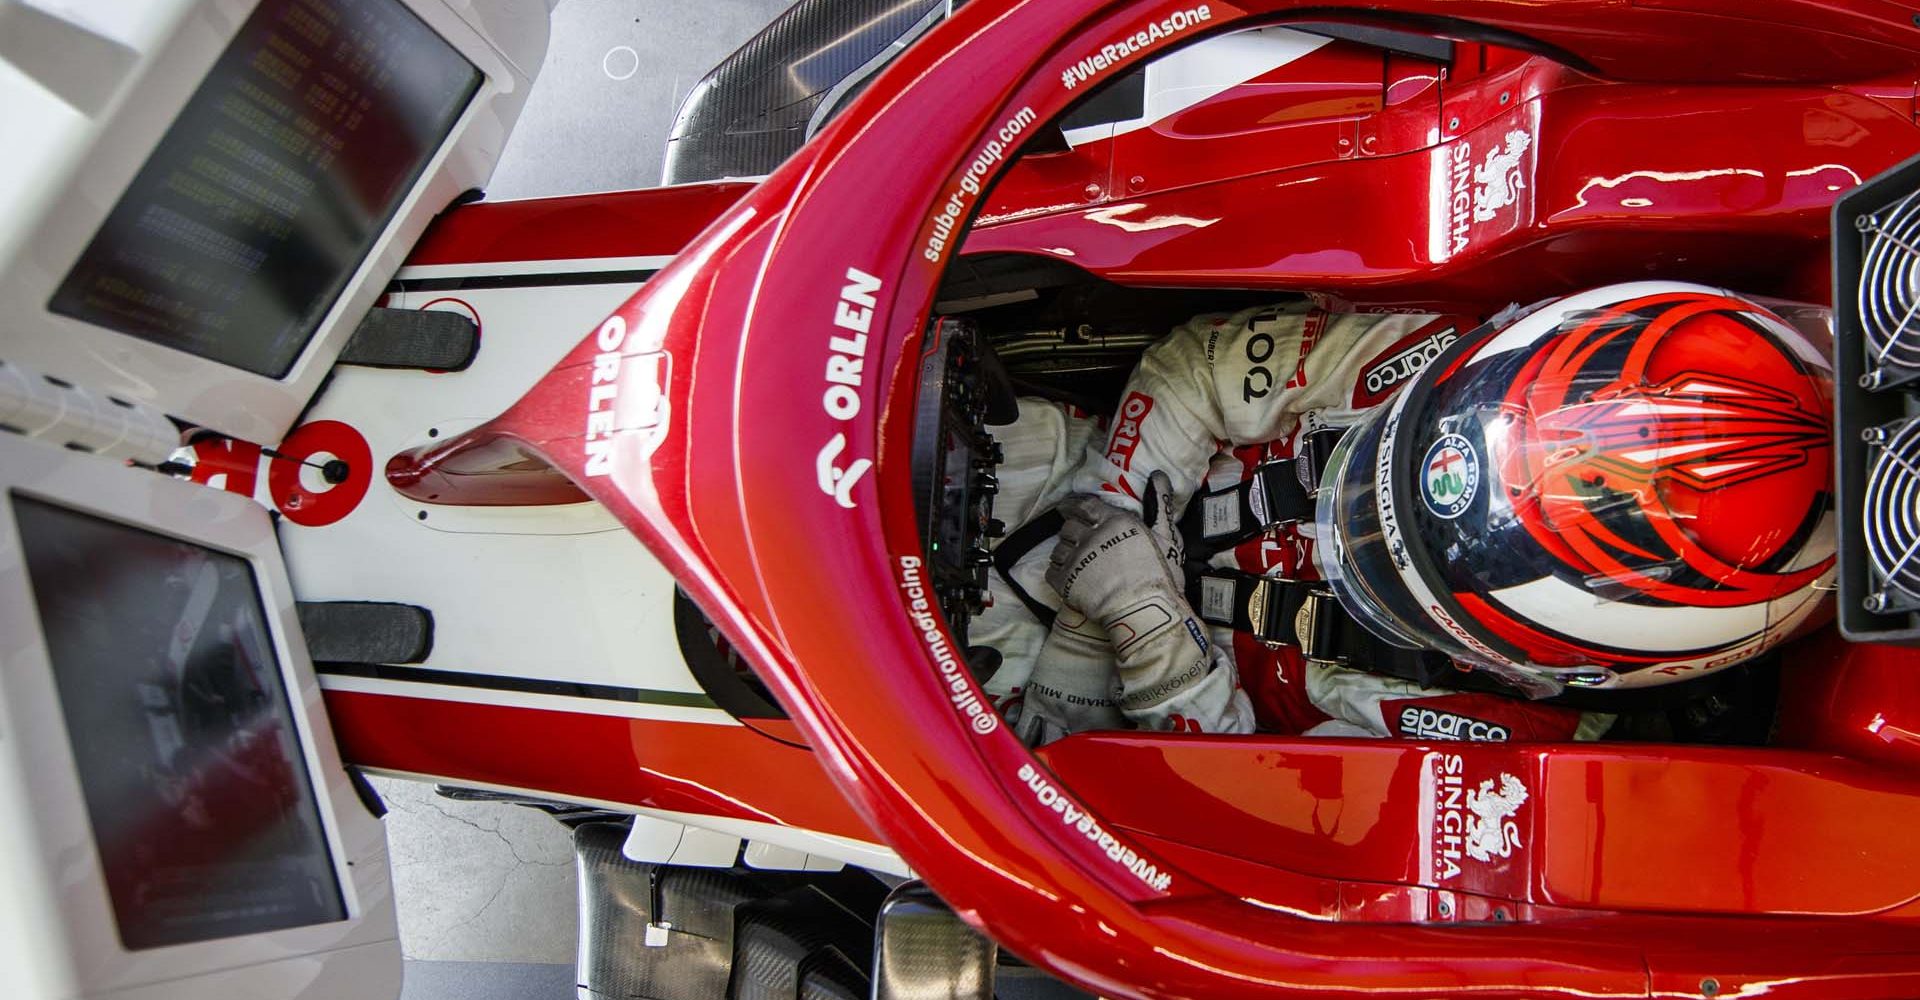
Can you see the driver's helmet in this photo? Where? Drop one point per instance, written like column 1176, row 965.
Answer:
column 1625, row 487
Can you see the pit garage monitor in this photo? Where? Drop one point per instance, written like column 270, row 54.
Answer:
column 245, row 223
column 184, row 741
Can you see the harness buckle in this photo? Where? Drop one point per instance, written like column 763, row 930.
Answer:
column 1316, row 625
column 1276, row 493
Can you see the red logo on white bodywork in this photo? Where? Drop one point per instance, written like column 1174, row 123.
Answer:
column 304, row 502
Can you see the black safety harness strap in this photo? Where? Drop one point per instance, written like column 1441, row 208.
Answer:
column 1276, row 493
column 1279, row 492
column 1276, row 611
column 1015, row 547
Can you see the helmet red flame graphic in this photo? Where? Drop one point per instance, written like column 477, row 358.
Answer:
column 1620, row 471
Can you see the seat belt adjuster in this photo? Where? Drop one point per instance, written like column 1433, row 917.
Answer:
column 1276, row 493
column 1275, row 611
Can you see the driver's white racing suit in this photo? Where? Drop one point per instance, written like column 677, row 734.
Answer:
column 1218, row 396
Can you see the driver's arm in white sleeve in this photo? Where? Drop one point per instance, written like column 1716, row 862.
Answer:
column 1218, row 379
column 1230, row 379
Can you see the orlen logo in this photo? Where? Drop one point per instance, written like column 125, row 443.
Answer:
column 847, row 355
column 642, row 377
column 300, row 473
column 1126, row 430
column 1430, row 724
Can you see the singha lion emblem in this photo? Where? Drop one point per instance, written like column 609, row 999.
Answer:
column 1491, row 832
column 1496, row 181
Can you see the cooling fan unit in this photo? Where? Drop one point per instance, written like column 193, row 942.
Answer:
column 1889, row 302
column 1891, row 518
column 1876, row 248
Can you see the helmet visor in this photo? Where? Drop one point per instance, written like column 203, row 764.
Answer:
column 1356, row 556
column 1363, row 556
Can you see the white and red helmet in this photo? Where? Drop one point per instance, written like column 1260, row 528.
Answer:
column 1624, row 487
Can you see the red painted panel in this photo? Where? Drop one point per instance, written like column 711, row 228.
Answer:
column 727, row 771
column 1048, row 182
column 1618, row 827
column 1689, row 829
column 653, row 222
column 1859, row 700
column 1309, row 111
column 1586, row 184
column 1342, row 813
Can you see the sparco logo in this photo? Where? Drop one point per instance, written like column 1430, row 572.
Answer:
column 853, row 313
column 1427, row 723
column 1400, row 363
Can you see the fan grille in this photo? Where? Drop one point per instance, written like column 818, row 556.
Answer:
column 1890, row 292
column 1893, row 517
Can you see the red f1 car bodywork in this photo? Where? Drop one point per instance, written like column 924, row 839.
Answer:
column 747, row 413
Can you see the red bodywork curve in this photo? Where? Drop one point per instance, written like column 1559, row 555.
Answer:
column 615, row 224
column 729, row 472
column 730, row 771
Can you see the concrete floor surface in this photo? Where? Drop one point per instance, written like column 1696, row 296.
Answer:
column 616, row 72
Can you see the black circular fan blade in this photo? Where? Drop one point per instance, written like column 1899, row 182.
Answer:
column 1890, row 286
column 1893, row 511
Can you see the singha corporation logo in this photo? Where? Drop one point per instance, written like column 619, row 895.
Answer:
column 1469, row 823
column 1491, row 831
column 1497, row 181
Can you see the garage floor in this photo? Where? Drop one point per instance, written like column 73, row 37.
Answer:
column 485, row 891
column 616, row 72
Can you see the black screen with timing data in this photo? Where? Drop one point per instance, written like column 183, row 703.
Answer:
column 196, row 788
column 260, row 201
